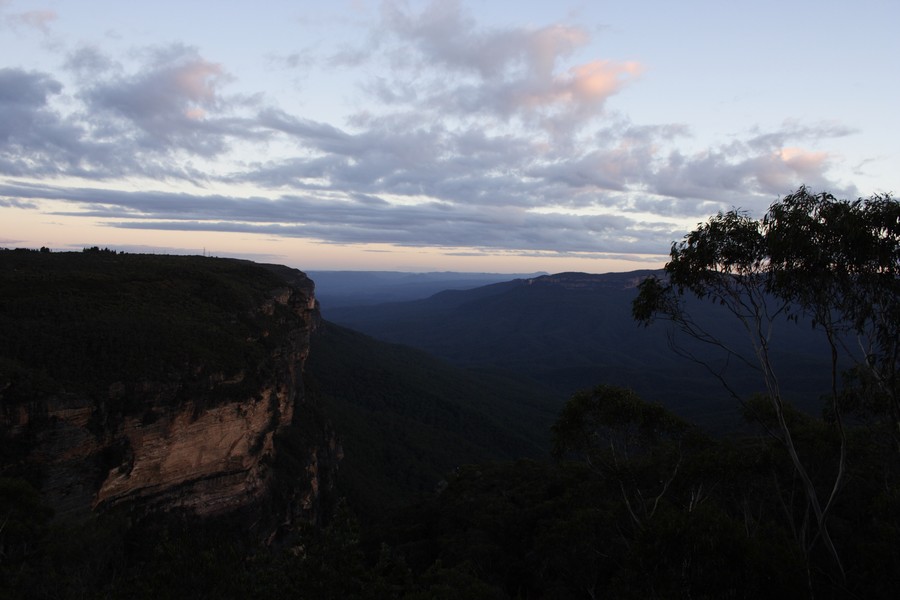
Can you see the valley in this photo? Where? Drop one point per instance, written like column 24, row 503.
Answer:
column 194, row 427
column 571, row 331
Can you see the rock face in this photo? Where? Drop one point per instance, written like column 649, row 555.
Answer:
column 197, row 433
column 209, row 461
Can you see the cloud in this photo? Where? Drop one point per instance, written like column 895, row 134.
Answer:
column 34, row 139
column 358, row 219
column 36, row 19
column 622, row 158
column 15, row 203
column 624, row 167
column 795, row 131
column 727, row 176
column 444, row 35
column 497, row 139
column 90, row 63
column 149, row 120
column 19, row 88
column 592, row 83
column 509, row 73
column 172, row 102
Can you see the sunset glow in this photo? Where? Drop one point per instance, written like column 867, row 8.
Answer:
column 428, row 135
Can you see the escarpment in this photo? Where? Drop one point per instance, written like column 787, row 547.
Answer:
column 159, row 383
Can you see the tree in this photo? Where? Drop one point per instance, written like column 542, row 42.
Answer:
column 638, row 445
column 838, row 262
column 812, row 257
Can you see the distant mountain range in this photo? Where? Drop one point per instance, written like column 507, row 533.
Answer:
column 574, row 330
column 336, row 289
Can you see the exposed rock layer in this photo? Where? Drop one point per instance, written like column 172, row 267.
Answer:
column 200, row 435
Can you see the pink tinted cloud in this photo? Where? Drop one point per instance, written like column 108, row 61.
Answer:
column 803, row 161
column 592, row 83
column 507, row 72
column 185, row 87
column 174, row 100
column 38, row 19
column 788, row 166
column 545, row 47
column 196, row 81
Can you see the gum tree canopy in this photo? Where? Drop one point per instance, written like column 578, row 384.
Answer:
column 834, row 263
column 811, row 258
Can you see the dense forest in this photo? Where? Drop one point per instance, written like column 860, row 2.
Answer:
column 604, row 495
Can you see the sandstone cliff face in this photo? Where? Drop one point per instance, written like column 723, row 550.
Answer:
column 194, row 437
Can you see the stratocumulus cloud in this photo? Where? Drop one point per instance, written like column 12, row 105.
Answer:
column 461, row 135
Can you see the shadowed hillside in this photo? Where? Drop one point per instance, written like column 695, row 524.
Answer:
column 572, row 330
column 336, row 289
column 160, row 397
column 406, row 419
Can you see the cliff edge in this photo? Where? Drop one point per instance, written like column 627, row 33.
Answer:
column 159, row 383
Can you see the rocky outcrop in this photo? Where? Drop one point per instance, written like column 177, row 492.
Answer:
column 209, row 461
column 196, row 437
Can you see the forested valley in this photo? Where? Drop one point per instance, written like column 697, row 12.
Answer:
column 465, row 479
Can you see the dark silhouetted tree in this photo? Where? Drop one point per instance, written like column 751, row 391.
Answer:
column 812, row 257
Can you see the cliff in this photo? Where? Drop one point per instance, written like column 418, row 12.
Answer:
column 159, row 383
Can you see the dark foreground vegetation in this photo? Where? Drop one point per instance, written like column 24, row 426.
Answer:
column 633, row 502
column 640, row 505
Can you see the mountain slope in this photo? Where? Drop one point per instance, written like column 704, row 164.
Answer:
column 407, row 419
column 574, row 330
column 357, row 288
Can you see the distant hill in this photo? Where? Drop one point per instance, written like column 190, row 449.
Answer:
column 573, row 330
column 335, row 289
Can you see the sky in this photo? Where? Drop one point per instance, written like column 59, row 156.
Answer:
column 479, row 135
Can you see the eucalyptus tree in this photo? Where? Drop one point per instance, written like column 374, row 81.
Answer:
column 832, row 263
column 838, row 262
column 638, row 445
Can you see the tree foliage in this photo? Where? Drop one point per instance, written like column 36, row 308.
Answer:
column 838, row 263
column 812, row 257
column 639, row 445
